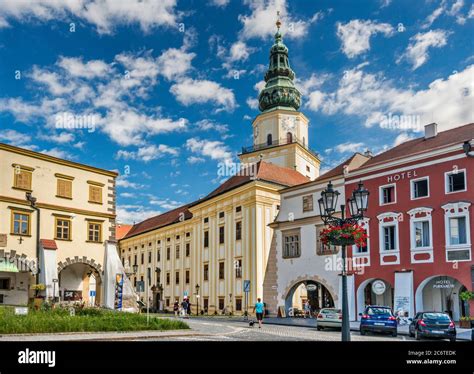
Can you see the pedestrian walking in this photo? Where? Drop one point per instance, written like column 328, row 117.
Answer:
column 176, row 308
column 184, row 308
column 307, row 309
column 259, row 309
column 189, row 307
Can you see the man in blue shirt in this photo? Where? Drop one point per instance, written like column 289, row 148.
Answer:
column 259, row 309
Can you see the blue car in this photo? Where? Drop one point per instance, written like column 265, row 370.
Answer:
column 378, row 319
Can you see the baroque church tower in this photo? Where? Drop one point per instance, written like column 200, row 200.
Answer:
column 280, row 131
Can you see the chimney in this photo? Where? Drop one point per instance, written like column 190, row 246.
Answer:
column 431, row 130
column 368, row 153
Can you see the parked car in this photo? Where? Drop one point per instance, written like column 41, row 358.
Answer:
column 432, row 325
column 329, row 317
column 378, row 319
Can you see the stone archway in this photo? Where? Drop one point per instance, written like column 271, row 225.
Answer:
column 323, row 287
column 385, row 299
column 80, row 279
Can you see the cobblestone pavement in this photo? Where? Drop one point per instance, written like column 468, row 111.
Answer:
column 212, row 330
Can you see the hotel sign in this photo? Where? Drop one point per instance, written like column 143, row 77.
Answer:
column 401, row 176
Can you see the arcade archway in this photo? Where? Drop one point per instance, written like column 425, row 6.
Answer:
column 80, row 282
column 374, row 291
column 318, row 295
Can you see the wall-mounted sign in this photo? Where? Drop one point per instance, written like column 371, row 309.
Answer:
column 118, row 291
column 3, row 240
column 401, row 176
column 443, row 283
column 70, row 295
column 378, row 287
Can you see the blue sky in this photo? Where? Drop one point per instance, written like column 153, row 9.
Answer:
column 168, row 88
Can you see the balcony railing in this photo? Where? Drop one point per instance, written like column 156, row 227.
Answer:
column 276, row 143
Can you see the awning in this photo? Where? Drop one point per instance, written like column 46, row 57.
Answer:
column 8, row 267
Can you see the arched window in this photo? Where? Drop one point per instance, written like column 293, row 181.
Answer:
column 289, row 137
column 269, row 139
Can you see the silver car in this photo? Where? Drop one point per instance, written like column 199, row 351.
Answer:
column 329, row 317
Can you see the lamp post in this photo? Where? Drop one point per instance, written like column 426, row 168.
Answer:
column 197, row 299
column 357, row 205
column 32, row 201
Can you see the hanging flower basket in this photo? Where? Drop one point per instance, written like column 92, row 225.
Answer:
column 347, row 234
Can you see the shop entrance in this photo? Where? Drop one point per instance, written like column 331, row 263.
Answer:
column 80, row 282
column 316, row 293
column 374, row 292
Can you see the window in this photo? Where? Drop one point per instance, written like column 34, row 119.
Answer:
column 221, row 270
column 5, row 284
column 22, row 177
column 269, row 139
column 206, row 272
column 419, row 188
column 158, row 242
column 142, row 258
column 177, row 237
column 95, row 193
column 94, row 232
column 421, row 231
column 206, row 239
column 168, row 279
column 206, row 219
column 20, row 223
column 177, row 252
column 206, row 304
column 308, row 203
column 357, row 250
column 289, row 137
column 221, row 235
column 168, row 253
column 187, row 276
column 238, row 209
column 64, row 188
column 221, row 214
column 389, row 238
column 291, row 244
column 238, row 268
column 238, row 230
column 158, row 256
column 188, row 234
column 135, row 259
column 167, row 301
column 221, row 303
column 456, row 181
column 457, row 231
column 308, row 169
column 387, row 194
column 176, row 278
column 238, row 304
column 149, row 257
column 188, row 249
column 62, row 228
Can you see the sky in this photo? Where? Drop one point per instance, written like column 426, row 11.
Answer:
column 165, row 91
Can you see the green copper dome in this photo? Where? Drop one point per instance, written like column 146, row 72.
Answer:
column 280, row 91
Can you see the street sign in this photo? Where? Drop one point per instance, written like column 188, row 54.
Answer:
column 21, row 311
column 246, row 286
column 185, row 294
column 140, row 286
column 91, row 293
column 311, row 287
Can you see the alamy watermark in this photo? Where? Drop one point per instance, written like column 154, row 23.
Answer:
column 229, row 169
column 69, row 121
column 401, row 122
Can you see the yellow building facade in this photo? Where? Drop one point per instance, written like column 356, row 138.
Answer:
column 75, row 204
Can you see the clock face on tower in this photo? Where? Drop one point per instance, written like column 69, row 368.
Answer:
column 288, row 124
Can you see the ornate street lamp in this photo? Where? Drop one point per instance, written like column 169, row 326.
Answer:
column 197, row 299
column 135, row 269
column 467, row 148
column 358, row 204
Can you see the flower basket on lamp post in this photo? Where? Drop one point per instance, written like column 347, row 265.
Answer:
column 347, row 234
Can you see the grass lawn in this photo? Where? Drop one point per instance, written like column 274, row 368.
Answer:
column 59, row 320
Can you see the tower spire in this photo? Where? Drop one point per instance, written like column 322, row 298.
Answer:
column 279, row 91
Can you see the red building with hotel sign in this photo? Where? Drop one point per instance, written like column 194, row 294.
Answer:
column 420, row 223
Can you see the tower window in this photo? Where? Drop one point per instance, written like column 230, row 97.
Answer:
column 289, row 137
column 269, row 139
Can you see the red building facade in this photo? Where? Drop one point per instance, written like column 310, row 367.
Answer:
column 420, row 222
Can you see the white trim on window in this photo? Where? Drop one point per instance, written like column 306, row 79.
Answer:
column 414, row 250
column 457, row 210
column 362, row 258
column 446, row 184
column 412, row 188
column 396, row 217
column 394, row 185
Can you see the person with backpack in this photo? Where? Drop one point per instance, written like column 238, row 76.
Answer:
column 259, row 309
column 184, row 308
column 176, row 308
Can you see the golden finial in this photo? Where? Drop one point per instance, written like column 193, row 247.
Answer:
column 278, row 22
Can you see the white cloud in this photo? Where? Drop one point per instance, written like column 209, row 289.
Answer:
column 208, row 125
column 195, row 160
column 240, row 51
column 148, row 153
column 193, row 91
column 59, row 153
column 260, row 23
column 14, row 137
column 220, row 3
column 402, row 138
column 252, row 103
column 105, row 15
column 456, row 11
column 61, row 138
column 166, row 203
column 215, row 150
column 122, row 181
column 134, row 214
column 355, row 35
column 53, row 81
column 447, row 101
column 417, row 50
column 349, row 147
column 88, row 70
column 174, row 63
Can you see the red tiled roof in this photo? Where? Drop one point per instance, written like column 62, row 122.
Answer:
column 122, row 230
column 165, row 219
column 421, row 145
column 48, row 244
column 338, row 170
column 264, row 171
